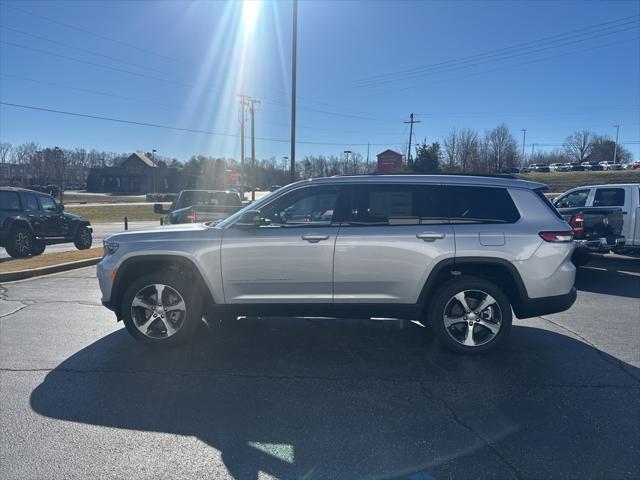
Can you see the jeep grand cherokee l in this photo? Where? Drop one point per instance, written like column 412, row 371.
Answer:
column 457, row 252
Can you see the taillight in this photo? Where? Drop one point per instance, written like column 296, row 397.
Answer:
column 577, row 224
column 557, row 237
column 192, row 217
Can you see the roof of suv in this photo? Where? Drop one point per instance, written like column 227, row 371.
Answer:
column 498, row 181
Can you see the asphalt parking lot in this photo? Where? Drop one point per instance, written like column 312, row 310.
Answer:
column 313, row 398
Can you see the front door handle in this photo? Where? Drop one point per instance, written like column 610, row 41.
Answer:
column 314, row 238
column 430, row 236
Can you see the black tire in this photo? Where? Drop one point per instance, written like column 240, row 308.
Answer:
column 451, row 337
column 38, row 247
column 185, row 325
column 20, row 243
column 580, row 259
column 83, row 239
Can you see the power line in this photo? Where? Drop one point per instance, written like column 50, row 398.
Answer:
column 473, row 60
column 89, row 32
column 169, row 127
column 90, row 52
column 88, row 62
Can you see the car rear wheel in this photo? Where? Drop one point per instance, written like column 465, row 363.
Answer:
column 83, row 239
column 161, row 310
column 470, row 315
column 20, row 243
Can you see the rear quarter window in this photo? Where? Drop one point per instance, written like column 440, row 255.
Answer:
column 9, row 201
column 475, row 204
column 609, row 197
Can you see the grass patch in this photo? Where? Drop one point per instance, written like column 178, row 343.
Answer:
column 115, row 212
column 562, row 181
column 88, row 198
column 48, row 259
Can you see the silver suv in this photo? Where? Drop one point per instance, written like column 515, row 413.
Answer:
column 457, row 252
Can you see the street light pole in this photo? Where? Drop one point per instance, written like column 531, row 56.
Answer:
column 294, row 50
column 524, row 137
column 615, row 148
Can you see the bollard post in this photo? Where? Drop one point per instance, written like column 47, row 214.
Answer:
column 161, row 221
column 126, row 223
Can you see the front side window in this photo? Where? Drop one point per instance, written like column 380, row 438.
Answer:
column 304, row 207
column 609, row 197
column 48, row 204
column 470, row 204
column 577, row 198
column 398, row 204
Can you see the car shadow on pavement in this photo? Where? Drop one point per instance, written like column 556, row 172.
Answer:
column 619, row 276
column 319, row 398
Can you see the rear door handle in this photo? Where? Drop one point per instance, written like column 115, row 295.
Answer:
column 430, row 236
column 315, row 238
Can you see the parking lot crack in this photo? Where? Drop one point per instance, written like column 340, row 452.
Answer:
column 429, row 395
column 607, row 358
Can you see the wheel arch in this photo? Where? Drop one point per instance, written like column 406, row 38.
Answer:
column 497, row 270
column 133, row 267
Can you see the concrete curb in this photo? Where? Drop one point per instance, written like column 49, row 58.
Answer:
column 36, row 272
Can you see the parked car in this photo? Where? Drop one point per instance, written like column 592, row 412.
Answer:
column 625, row 197
column 30, row 220
column 509, row 170
column 191, row 206
column 575, row 167
column 635, row 165
column 539, row 167
column 459, row 252
column 592, row 166
column 558, row 167
column 611, row 166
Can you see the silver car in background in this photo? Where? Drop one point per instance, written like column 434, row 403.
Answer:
column 460, row 253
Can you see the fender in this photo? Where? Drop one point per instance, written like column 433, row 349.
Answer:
column 75, row 226
column 19, row 220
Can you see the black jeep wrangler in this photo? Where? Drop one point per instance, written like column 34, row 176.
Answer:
column 29, row 221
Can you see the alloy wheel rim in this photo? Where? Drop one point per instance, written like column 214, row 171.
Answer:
column 23, row 242
column 472, row 318
column 158, row 311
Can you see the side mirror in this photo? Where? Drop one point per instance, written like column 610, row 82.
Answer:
column 157, row 208
column 61, row 207
column 249, row 219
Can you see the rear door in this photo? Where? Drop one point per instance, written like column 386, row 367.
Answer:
column 616, row 197
column 390, row 242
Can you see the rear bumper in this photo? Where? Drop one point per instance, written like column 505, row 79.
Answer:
column 534, row 307
column 601, row 245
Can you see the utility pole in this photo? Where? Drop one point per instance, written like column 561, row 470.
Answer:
column 252, row 105
column 294, row 50
column 243, row 104
column 615, row 148
column 410, row 122
column 532, row 147
column 524, row 137
column 153, row 155
column 367, row 165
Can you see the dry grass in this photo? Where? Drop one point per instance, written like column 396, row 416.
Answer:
column 562, row 181
column 48, row 259
column 114, row 212
column 88, row 198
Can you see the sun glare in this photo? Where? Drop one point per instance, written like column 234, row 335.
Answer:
column 250, row 10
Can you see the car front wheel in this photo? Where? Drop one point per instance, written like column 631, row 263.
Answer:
column 470, row 315
column 83, row 239
column 161, row 309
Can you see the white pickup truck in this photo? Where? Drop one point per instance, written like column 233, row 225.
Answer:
column 625, row 196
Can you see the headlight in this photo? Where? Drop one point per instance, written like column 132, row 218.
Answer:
column 109, row 247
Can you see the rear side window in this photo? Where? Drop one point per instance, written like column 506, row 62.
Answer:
column 609, row 197
column 470, row 204
column 9, row 201
column 392, row 205
column 30, row 202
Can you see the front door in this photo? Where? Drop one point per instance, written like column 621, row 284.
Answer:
column 55, row 224
column 394, row 236
column 289, row 258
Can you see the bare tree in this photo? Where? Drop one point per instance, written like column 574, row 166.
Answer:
column 579, row 145
column 5, row 151
column 503, row 147
column 451, row 150
column 468, row 148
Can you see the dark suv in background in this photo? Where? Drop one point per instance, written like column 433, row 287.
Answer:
column 29, row 221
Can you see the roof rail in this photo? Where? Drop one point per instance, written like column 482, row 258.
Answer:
column 455, row 174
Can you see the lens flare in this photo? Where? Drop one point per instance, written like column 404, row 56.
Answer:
column 250, row 11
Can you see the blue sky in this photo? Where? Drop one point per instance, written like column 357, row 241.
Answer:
column 363, row 66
